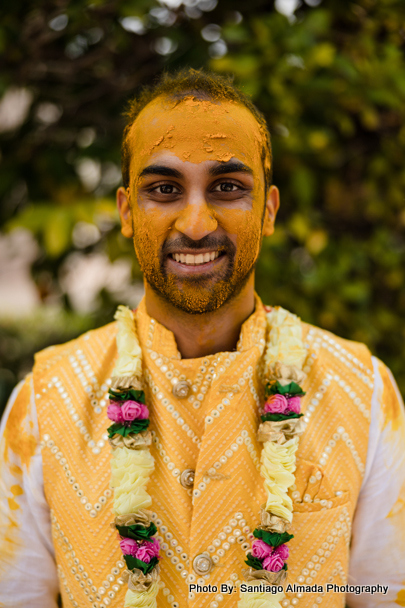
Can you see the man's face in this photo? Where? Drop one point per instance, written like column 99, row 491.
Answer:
column 197, row 200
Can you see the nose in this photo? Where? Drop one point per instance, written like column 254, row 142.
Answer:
column 196, row 220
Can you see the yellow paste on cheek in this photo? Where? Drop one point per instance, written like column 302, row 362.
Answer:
column 196, row 131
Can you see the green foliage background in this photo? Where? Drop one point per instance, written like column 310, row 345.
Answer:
column 331, row 82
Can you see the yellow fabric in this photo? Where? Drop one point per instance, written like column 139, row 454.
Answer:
column 212, row 431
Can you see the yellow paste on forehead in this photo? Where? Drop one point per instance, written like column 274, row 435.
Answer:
column 196, row 131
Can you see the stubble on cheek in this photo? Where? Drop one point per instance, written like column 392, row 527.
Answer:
column 146, row 240
column 246, row 225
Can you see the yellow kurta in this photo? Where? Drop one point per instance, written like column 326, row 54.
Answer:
column 212, row 431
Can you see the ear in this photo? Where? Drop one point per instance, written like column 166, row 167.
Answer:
column 272, row 205
column 124, row 210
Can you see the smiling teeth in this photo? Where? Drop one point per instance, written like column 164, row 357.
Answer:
column 195, row 260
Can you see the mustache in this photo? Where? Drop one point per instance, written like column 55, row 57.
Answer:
column 221, row 243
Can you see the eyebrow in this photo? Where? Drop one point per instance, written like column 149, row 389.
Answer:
column 230, row 167
column 220, row 169
column 160, row 170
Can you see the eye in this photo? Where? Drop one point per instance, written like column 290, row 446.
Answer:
column 166, row 189
column 226, row 187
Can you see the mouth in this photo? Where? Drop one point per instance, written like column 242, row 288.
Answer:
column 191, row 263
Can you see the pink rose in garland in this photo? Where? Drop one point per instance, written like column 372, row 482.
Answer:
column 276, row 404
column 147, row 550
column 132, row 410
column 294, row 405
column 260, row 549
column 282, row 551
column 114, row 412
column 273, row 562
column 129, row 546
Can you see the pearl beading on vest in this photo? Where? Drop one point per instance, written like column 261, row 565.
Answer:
column 356, row 400
column 247, row 376
column 82, row 576
column 243, row 438
column 203, row 379
column 56, row 382
column 341, row 527
column 324, row 341
column 167, row 367
column 170, row 408
column 82, row 368
column 230, row 535
column 162, row 452
column 342, row 435
column 164, row 547
column 93, row 510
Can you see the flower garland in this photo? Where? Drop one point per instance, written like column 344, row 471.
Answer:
column 132, row 462
column 131, row 467
column 279, row 430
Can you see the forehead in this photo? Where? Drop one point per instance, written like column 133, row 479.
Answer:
column 195, row 131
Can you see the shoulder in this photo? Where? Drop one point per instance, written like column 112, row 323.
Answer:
column 75, row 375
column 98, row 344
column 349, row 357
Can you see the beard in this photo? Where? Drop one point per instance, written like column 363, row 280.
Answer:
column 202, row 293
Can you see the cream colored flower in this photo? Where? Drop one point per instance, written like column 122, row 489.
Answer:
column 130, row 472
column 278, row 466
column 259, row 600
column 142, row 599
column 128, row 485
column 127, row 466
column 285, row 339
column 275, row 455
column 279, row 505
column 129, row 361
column 128, row 502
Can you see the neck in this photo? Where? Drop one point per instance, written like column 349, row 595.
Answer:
column 200, row 335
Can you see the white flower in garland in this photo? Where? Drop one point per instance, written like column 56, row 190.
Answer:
column 131, row 467
column 129, row 361
column 285, row 339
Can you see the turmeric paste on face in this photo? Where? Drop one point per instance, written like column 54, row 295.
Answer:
column 195, row 131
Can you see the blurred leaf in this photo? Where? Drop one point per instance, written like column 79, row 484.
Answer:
column 57, row 232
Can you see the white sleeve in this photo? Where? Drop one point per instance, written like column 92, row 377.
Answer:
column 28, row 575
column 377, row 553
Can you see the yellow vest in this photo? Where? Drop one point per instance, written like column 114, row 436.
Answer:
column 212, row 431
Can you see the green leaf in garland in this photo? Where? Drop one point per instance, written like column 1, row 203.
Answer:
column 133, row 562
column 137, row 531
column 275, row 539
column 129, row 395
column 254, row 562
column 277, row 417
column 293, row 389
column 136, row 426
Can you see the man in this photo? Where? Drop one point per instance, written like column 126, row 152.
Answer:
column 197, row 200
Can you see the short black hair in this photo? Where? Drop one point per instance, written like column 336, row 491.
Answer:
column 202, row 85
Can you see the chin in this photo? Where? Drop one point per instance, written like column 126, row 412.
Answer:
column 198, row 295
